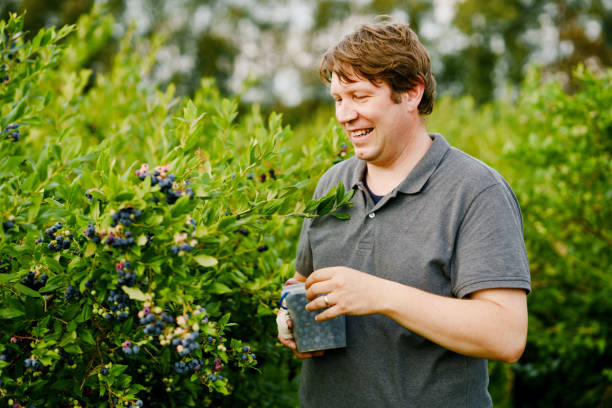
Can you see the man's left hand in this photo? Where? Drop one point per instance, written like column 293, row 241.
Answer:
column 344, row 291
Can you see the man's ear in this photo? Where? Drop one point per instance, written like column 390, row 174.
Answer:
column 413, row 97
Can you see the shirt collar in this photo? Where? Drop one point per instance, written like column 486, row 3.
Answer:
column 418, row 176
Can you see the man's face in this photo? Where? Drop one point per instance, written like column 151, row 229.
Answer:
column 376, row 126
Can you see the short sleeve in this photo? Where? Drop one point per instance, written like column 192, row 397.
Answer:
column 489, row 249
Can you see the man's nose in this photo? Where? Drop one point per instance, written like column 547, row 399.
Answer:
column 345, row 113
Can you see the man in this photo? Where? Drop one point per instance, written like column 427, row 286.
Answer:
column 431, row 269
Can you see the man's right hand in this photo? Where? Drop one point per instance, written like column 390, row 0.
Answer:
column 285, row 327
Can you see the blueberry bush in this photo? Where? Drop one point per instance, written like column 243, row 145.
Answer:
column 144, row 236
column 562, row 170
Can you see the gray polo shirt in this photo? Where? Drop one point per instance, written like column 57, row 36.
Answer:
column 452, row 227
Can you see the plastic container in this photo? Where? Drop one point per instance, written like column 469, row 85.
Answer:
column 309, row 334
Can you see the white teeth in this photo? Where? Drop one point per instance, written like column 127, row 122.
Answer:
column 360, row 132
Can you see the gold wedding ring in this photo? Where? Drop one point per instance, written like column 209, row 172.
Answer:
column 325, row 300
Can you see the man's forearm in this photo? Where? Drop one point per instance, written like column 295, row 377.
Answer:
column 492, row 324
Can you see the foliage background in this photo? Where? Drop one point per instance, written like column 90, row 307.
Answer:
column 546, row 127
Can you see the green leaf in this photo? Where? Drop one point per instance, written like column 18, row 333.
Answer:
column 340, row 192
column 326, row 205
column 205, row 260
column 71, row 326
column 53, row 284
column 142, row 240
column 86, row 335
column 84, row 315
column 341, row 216
column 310, row 206
column 90, row 249
column 73, row 349
column 57, row 151
column 25, row 290
column 36, row 199
column 4, row 278
column 124, row 196
column 117, row 369
column 134, row 293
column 219, row 288
column 10, row 313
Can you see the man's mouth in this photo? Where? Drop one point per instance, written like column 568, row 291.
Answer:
column 361, row 132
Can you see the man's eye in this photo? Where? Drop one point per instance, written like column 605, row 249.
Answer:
column 360, row 97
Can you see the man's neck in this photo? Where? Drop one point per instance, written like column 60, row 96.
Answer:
column 382, row 179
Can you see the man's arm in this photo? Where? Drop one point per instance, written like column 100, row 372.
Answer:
column 491, row 323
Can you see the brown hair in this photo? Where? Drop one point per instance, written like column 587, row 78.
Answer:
column 384, row 51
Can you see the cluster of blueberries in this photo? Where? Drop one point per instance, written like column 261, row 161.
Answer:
column 126, row 278
column 213, row 377
column 57, row 242
column 34, row 364
column 90, row 232
column 263, row 177
column 246, row 353
column 153, row 325
column 117, row 303
column 182, row 367
column 183, row 247
column 129, row 349
column 13, row 132
column 119, row 242
column 187, row 344
column 165, row 182
column 51, row 231
column 186, row 247
column 136, row 404
column 7, row 225
column 125, row 216
column 72, row 293
column 31, row 281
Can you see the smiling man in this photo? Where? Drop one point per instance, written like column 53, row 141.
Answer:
column 431, row 269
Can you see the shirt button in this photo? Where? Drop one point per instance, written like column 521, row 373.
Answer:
column 371, row 215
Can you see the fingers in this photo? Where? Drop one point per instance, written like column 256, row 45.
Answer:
column 320, row 302
column 328, row 314
column 309, row 354
column 289, row 343
column 319, row 288
column 319, row 275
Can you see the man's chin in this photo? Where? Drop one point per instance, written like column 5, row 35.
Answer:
column 363, row 154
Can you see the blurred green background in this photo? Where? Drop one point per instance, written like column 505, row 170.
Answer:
column 523, row 85
column 268, row 50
